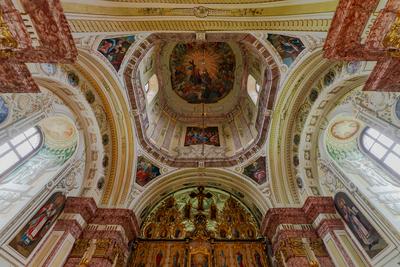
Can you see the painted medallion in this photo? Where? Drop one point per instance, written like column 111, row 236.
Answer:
column 345, row 129
column 202, row 72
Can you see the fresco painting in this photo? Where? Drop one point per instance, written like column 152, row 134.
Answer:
column 199, row 136
column 370, row 240
column 146, row 171
column 114, row 49
column 257, row 170
column 33, row 232
column 202, row 72
column 288, row 47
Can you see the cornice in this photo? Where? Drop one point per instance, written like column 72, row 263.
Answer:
column 114, row 25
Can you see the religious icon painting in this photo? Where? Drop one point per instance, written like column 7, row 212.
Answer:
column 3, row 110
column 257, row 170
column 200, row 259
column 114, row 49
column 38, row 226
column 146, row 171
column 288, row 47
column 199, row 136
column 370, row 240
column 202, row 72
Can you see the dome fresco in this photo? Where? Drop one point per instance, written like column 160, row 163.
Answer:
column 202, row 72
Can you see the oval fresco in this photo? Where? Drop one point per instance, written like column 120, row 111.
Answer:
column 202, row 72
column 345, row 129
column 3, row 110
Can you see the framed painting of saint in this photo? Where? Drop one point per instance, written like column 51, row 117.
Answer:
column 370, row 240
column 39, row 224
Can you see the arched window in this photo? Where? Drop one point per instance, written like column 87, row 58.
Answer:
column 151, row 88
column 18, row 149
column 382, row 149
column 253, row 89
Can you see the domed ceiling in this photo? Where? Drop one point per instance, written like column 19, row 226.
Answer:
column 192, row 97
column 202, row 72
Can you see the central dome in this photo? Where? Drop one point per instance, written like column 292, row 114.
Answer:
column 201, row 102
column 202, row 72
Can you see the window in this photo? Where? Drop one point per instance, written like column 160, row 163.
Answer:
column 151, row 88
column 253, row 89
column 382, row 148
column 18, row 149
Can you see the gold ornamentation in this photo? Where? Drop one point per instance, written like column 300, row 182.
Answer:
column 318, row 25
column 7, row 40
column 392, row 38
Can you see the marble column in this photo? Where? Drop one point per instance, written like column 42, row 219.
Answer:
column 104, row 241
column 294, row 239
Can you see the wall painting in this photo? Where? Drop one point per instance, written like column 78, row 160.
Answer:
column 33, row 232
column 257, row 170
column 114, row 49
column 288, row 47
column 366, row 234
column 202, row 72
column 199, row 136
column 3, row 110
column 146, row 171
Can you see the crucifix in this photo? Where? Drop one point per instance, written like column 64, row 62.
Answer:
column 200, row 197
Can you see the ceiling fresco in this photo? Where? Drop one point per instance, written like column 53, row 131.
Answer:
column 114, row 49
column 200, row 213
column 202, row 72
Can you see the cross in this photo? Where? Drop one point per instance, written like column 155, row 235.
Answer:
column 200, row 196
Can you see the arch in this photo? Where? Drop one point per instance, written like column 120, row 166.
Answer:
column 180, row 179
column 109, row 87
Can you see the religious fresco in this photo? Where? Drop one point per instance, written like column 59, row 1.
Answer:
column 366, row 234
column 38, row 226
column 145, row 171
column 199, row 136
column 202, row 72
column 114, row 49
column 257, row 170
column 4, row 110
column 288, row 47
column 202, row 212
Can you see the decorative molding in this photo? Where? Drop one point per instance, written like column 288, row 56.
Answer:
column 98, row 26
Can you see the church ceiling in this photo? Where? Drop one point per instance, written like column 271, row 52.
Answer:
column 201, row 108
column 199, row 15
